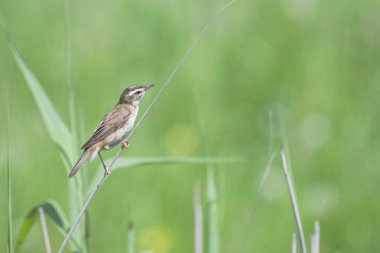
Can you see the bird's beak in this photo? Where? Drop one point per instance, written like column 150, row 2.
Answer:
column 147, row 87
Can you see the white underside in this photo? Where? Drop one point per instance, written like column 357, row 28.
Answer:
column 120, row 135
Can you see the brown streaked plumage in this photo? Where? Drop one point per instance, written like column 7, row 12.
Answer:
column 114, row 127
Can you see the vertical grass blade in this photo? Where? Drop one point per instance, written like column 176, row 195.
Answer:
column 315, row 241
column 212, row 213
column 293, row 199
column 212, row 216
column 9, row 179
column 73, row 227
column 45, row 233
column 57, row 129
column 198, row 219
column 270, row 133
column 87, row 231
column 131, row 238
column 294, row 243
column 82, row 231
column 69, row 79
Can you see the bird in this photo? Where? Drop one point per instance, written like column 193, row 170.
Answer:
column 114, row 127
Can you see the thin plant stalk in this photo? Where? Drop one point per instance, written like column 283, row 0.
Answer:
column 198, row 219
column 69, row 79
column 83, row 210
column 9, row 178
column 183, row 59
column 270, row 132
column 294, row 243
column 315, row 241
column 85, row 180
column 196, row 41
column 81, row 213
column 284, row 138
column 212, row 213
column 87, row 230
column 131, row 238
column 294, row 202
column 45, row 233
column 76, row 195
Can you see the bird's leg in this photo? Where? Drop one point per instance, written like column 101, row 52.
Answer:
column 107, row 170
column 125, row 143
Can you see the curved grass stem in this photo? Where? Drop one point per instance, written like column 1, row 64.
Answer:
column 293, row 199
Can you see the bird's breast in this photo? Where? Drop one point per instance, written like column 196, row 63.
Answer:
column 121, row 133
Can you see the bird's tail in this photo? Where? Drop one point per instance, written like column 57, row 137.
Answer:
column 87, row 155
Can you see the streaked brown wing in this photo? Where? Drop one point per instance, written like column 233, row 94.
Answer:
column 115, row 119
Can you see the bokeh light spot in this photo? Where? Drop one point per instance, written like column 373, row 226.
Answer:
column 157, row 239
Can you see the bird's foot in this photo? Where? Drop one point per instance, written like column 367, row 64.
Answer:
column 107, row 170
column 125, row 143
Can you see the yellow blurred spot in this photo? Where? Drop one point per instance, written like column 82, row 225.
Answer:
column 157, row 239
column 181, row 139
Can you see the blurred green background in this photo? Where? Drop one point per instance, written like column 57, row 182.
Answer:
column 317, row 63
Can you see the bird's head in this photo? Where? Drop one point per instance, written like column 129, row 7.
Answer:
column 133, row 94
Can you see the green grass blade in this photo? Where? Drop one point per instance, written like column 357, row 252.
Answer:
column 293, row 200
column 10, row 223
column 45, row 232
column 131, row 238
column 294, row 243
column 140, row 161
column 130, row 162
column 74, row 200
column 315, row 238
column 9, row 179
column 57, row 129
column 284, row 140
column 212, row 213
column 52, row 210
column 287, row 169
column 69, row 77
column 198, row 218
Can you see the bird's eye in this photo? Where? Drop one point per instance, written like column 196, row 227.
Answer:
column 139, row 92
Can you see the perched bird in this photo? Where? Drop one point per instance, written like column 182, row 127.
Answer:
column 114, row 127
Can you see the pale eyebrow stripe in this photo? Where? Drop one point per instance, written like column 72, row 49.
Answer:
column 134, row 91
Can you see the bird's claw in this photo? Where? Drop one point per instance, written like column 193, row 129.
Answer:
column 107, row 170
column 125, row 143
